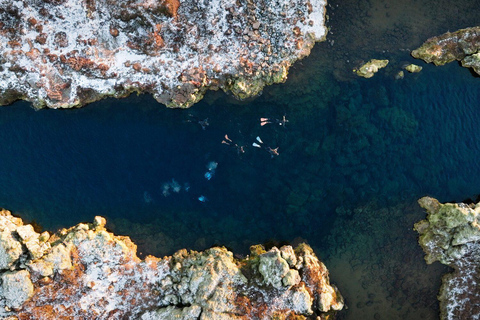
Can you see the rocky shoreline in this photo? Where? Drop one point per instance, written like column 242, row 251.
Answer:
column 462, row 45
column 67, row 53
column 87, row 272
column 451, row 235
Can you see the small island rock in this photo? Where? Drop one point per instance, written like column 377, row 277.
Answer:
column 368, row 69
column 413, row 68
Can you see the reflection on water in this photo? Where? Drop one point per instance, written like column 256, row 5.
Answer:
column 352, row 159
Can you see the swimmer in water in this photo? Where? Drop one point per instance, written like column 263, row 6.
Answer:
column 211, row 166
column 259, row 144
column 280, row 122
column 229, row 142
column 203, row 123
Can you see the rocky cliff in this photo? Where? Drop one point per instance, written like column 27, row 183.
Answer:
column 462, row 45
column 66, row 53
column 451, row 235
column 85, row 272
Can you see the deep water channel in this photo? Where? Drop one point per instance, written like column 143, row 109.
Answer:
column 353, row 158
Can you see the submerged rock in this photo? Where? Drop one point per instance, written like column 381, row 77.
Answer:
column 451, row 235
column 67, row 53
column 370, row 68
column 461, row 45
column 89, row 273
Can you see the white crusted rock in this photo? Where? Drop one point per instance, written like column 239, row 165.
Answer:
column 67, row 53
column 451, row 235
column 17, row 287
column 10, row 250
column 90, row 273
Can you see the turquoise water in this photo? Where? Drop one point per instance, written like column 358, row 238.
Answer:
column 349, row 143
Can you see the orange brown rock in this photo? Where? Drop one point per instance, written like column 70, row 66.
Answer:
column 87, row 43
column 86, row 272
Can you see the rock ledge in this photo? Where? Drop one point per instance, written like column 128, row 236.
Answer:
column 462, row 45
column 67, row 53
column 86, row 272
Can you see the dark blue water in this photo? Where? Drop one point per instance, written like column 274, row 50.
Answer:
column 379, row 139
column 349, row 142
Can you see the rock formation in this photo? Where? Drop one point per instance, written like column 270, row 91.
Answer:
column 462, row 45
column 413, row 68
column 451, row 235
column 86, row 272
column 368, row 69
column 66, row 53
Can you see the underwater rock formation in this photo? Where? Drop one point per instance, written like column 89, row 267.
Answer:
column 461, row 45
column 67, row 53
column 451, row 235
column 368, row 69
column 86, row 272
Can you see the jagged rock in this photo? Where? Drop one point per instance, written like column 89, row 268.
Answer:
column 451, row 235
column 90, row 273
column 10, row 243
column 36, row 244
column 472, row 61
column 16, row 288
column 368, row 69
column 461, row 45
column 68, row 53
column 10, row 250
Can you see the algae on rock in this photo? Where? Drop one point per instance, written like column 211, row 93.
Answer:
column 451, row 235
column 462, row 45
column 368, row 69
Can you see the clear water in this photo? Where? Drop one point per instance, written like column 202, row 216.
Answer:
column 350, row 143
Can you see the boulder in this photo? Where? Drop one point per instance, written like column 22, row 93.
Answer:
column 16, row 288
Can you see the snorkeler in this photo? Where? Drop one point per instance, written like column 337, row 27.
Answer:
column 261, row 145
column 202, row 198
column 211, row 166
column 282, row 122
column 229, row 142
column 203, row 123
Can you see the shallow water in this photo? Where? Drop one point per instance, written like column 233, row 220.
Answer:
column 354, row 157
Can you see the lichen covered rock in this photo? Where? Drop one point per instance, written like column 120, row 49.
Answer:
column 451, row 235
column 67, row 53
column 368, row 69
column 86, row 272
column 461, row 45
column 413, row 68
